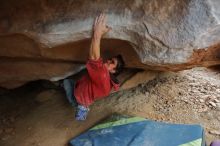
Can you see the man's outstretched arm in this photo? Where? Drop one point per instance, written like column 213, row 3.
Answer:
column 99, row 28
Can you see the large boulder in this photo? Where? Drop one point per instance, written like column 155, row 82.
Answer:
column 49, row 39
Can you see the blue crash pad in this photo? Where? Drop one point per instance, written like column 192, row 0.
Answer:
column 137, row 131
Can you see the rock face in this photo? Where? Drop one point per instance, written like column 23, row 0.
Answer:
column 46, row 39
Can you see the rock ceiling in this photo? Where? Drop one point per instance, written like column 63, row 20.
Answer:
column 49, row 39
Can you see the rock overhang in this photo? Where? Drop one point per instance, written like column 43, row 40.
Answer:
column 151, row 34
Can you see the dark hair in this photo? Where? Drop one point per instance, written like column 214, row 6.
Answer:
column 120, row 65
column 118, row 68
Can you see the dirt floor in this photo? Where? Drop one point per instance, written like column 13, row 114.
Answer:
column 33, row 116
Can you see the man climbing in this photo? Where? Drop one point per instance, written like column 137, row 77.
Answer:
column 100, row 77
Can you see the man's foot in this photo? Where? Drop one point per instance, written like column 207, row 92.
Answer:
column 81, row 113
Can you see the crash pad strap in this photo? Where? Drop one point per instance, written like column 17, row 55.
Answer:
column 119, row 122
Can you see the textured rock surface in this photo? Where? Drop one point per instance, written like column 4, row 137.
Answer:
column 45, row 39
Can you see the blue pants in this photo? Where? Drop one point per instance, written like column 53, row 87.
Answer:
column 68, row 85
column 81, row 111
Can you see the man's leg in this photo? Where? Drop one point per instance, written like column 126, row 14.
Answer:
column 81, row 111
column 68, row 85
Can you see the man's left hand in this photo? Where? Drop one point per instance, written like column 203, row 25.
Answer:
column 100, row 26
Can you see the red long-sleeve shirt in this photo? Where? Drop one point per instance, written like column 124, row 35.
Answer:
column 97, row 84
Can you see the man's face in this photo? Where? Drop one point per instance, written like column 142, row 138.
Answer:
column 111, row 64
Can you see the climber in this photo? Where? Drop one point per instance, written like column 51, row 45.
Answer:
column 100, row 77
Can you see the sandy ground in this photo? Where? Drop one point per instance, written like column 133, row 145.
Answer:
column 36, row 117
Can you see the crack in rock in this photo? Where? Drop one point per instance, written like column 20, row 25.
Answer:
column 155, row 39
